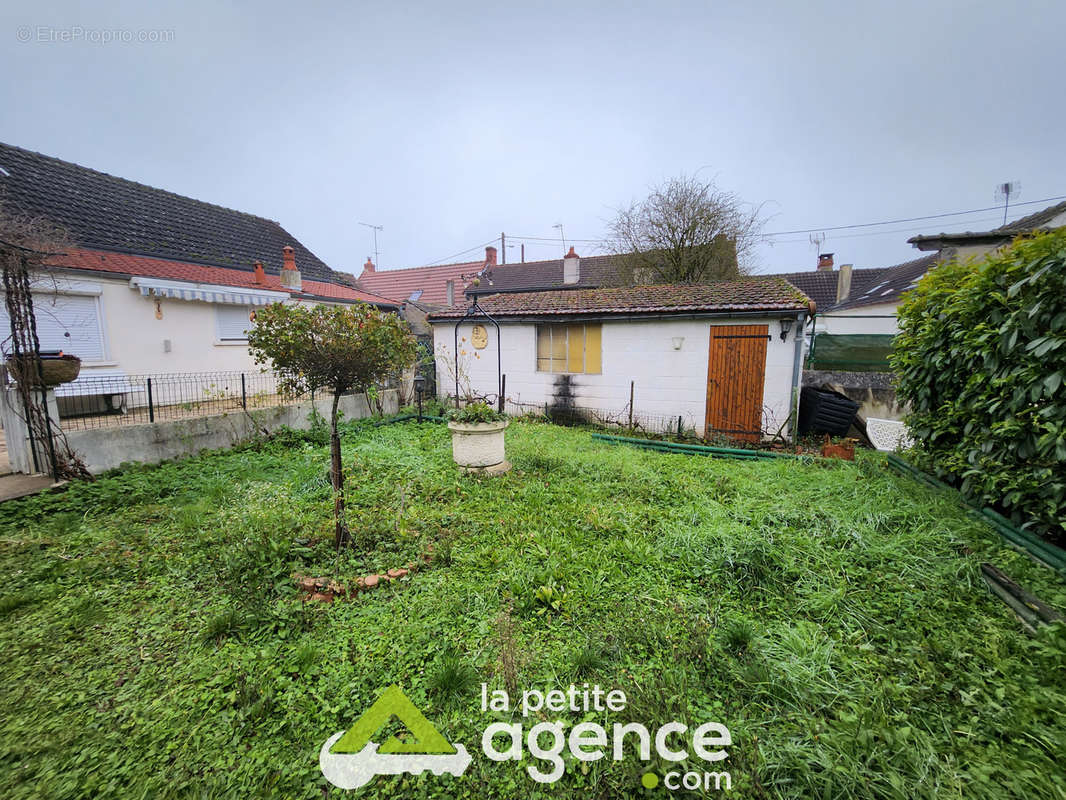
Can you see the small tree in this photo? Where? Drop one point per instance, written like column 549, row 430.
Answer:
column 686, row 231
column 339, row 348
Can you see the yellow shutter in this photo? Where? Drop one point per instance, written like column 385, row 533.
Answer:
column 576, row 349
column 593, row 358
column 544, row 349
column 558, row 334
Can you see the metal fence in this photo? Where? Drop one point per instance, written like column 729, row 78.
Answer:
column 682, row 426
column 103, row 401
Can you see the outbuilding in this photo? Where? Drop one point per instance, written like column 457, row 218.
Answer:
column 722, row 359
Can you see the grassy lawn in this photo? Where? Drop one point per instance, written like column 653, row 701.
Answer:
column 831, row 615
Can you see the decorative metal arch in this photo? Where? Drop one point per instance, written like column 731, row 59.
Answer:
column 475, row 309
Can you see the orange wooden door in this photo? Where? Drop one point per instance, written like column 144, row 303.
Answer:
column 736, row 369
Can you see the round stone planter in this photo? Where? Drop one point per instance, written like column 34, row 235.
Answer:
column 59, row 370
column 479, row 446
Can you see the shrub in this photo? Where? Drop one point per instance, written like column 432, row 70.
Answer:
column 981, row 358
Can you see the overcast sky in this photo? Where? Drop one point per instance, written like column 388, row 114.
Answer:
column 449, row 122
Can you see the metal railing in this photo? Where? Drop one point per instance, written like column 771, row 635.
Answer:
column 680, row 425
column 114, row 400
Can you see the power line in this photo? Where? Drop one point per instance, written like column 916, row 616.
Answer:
column 907, row 219
column 835, row 227
column 895, row 232
column 461, row 252
column 552, row 240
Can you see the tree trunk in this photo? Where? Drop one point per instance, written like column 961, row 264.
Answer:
column 336, row 475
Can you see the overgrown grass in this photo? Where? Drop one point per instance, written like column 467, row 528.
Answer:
column 831, row 615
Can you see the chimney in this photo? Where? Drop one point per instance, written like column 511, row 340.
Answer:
column 571, row 267
column 825, row 262
column 449, row 289
column 844, row 283
column 260, row 273
column 369, row 265
column 490, row 256
column 290, row 276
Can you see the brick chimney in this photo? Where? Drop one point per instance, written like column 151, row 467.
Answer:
column 571, row 267
column 825, row 262
column 369, row 265
column 490, row 256
column 290, row 276
column 844, row 283
column 260, row 273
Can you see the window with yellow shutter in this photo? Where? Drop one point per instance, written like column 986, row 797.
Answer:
column 570, row 347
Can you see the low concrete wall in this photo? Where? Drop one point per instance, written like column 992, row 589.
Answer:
column 875, row 392
column 106, row 448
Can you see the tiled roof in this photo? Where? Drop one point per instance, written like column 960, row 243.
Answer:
column 124, row 265
column 103, row 212
column 422, row 285
column 1033, row 222
column 821, row 286
column 748, row 294
column 889, row 284
column 594, row 271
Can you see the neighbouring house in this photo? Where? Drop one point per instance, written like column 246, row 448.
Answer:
column 970, row 244
column 722, row 359
column 156, row 282
column 420, row 290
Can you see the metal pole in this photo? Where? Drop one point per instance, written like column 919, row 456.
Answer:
column 244, row 394
column 503, row 248
column 419, row 406
column 151, row 408
column 503, row 389
column 631, row 383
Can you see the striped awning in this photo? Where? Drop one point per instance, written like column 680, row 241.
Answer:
column 206, row 293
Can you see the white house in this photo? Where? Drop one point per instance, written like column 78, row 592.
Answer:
column 723, row 357
column 153, row 282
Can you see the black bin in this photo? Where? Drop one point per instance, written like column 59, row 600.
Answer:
column 825, row 411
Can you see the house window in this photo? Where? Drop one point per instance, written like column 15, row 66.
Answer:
column 67, row 322
column 572, row 347
column 233, row 323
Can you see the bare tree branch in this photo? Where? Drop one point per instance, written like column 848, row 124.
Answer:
column 686, row 231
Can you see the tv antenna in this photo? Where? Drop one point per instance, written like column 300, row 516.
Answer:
column 1004, row 192
column 375, row 229
column 817, row 239
column 559, row 225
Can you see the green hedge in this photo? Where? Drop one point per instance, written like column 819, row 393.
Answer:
column 981, row 357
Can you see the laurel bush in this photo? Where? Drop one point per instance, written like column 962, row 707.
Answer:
column 981, row 358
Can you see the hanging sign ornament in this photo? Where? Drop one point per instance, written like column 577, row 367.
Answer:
column 479, row 337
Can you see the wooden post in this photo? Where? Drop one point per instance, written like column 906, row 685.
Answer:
column 631, row 383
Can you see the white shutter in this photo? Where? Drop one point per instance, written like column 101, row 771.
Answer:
column 66, row 322
column 232, row 322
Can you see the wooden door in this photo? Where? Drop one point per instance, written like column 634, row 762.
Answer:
column 736, row 370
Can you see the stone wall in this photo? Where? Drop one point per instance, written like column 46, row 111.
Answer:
column 106, row 448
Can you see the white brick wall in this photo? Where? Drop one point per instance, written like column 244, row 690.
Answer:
column 668, row 382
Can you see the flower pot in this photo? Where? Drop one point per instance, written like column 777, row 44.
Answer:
column 56, row 370
column 479, row 446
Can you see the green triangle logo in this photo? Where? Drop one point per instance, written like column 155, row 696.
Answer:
column 394, row 703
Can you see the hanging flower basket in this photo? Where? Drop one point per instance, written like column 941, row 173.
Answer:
column 56, row 369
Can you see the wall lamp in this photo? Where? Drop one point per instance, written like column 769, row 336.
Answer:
column 786, row 326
